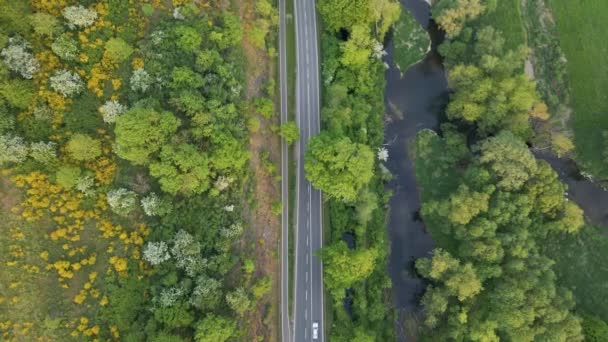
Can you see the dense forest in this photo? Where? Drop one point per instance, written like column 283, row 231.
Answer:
column 496, row 212
column 124, row 130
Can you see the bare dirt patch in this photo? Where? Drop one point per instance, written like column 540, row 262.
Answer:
column 264, row 226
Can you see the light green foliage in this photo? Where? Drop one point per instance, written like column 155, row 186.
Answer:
column 357, row 49
column 453, row 15
column 175, row 316
column 561, row 144
column 264, row 107
column 410, row 40
column 505, row 206
column 337, row 166
column 141, row 132
column 182, row 169
column 345, row 13
column 45, row 24
column 65, row 47
column 188, row 38
column 460, row 281
column 184, row 77
column 290, row 132
column 215, row 328
column 67, row 176
column 509, row 159
column 343, row 267
column 118, row 50
column 82, row 147
column 239, row 301
column 45, row 153
column 12, row 149
column 262, row 287
column 18, row 93
column 231, row 33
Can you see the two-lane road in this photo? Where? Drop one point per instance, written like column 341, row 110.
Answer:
column 308, row 305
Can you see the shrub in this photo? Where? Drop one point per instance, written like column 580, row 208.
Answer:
column 65, row 47
column 140, row 80
column 43, row 152
column 118, row 50
column 79, row 17
column 111, row 110
column 156, row 252
column 122, row 201
column 18, row 59
column 66, row 83
column 82, row 147
column 44, row 24
column 12, row 149
column 18, row 93
column 67, row 176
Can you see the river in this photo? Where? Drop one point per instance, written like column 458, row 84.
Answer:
column 415, row 101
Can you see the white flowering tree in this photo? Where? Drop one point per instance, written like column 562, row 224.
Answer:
column 233, row 231
column 44, row 152
column 122, row 201
column 156, row 252
column 382, row 154
column 169, row 296
column 140, row 80
column 66, row 83
column 12, row 149
column 85, row 185
column 79, row 16
column 18, row 59
column 111, row 110
column 187, row 253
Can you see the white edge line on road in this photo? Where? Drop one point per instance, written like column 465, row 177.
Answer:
column 297, row 204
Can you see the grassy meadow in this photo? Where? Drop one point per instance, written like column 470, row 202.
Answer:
column 581, row 27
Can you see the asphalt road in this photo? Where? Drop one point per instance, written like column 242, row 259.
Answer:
column 308, row 303
column 285, row 326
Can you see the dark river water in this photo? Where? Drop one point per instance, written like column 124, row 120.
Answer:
column 413, row 102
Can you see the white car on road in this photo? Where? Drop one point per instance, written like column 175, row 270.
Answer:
column 315, row 330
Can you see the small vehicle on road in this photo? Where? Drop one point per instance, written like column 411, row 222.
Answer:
column 315, row 330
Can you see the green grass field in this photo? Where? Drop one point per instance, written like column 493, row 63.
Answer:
column 507, row 18
column 583, row 36
column 581, row 266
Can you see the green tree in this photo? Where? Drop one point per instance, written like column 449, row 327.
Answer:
column 82, row 147
column 344, row 267
column 337, row 166
column 45, row 24
column 118, row 50
column 176, row 316
column 509, row 159
column 239, row 300
column 452, row 15
column 594, row 329
column 188, row 38
column 358, row 48
column 141, row 132
column 215, row 328
column 290, row 132
column 18, row 93
column 182, row 169
column 67, row 176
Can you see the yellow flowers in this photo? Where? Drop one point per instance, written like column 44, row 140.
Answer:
column 137, row 63
column 120, row 264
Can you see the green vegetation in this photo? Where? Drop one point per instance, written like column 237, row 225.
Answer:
column 125, row 171
column 579, row 263
column 499, row 217
column 411, row 42
column 583, row 41
column 507, row 18
column 341, row 162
